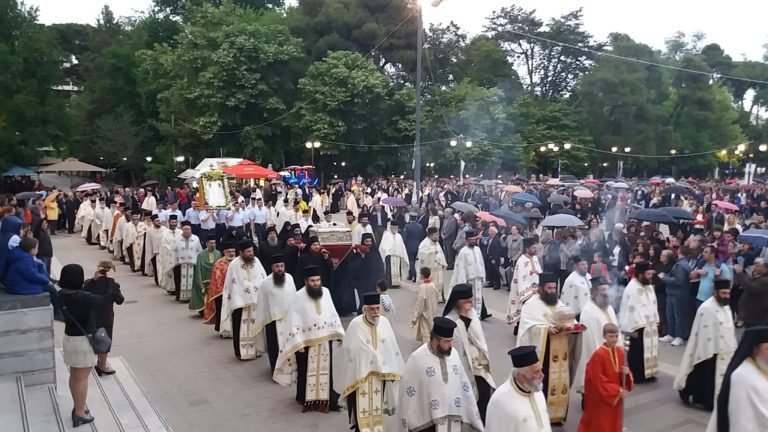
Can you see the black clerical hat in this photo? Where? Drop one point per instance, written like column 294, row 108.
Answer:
column 277, row 258
column 366, row 236
column 461, row 291
column 349, row 213
column 528, row 242
column 547, row 277
column 173, row 217
column 599, row 280
column 371, row 298
column 722, row 284
column 471, row 233
column 443, row 327
column 642, row 267
column 271, row 229
column 311, row 271
column 523, row 356
column 228, row 245
column 210, row 237
column 312, row 240
column 244, row 244
column 186, row 223
column 154, row 216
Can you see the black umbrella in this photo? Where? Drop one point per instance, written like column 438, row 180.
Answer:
column 676, row 190
column 566, row 211
column 677, row 213
column 558, row 199
column 510, row 216
column 653, row 215
column 149, row 183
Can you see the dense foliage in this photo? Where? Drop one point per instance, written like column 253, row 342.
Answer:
column 256, row 79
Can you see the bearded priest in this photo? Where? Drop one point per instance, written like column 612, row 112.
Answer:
column 543, row 323
column 238, row 305
column 372, row 364
column 595, row 315
column 276, row 293
column 213, row 296
column 639, row 318
column 311, row 326
column 202, row 276
column 393, row 253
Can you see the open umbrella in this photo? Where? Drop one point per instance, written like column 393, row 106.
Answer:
column 27, row 195
column 149, row 183
column 526, row 198
column 552, row 182
column 513, row 189
column 756, row 237
column 533, row 214
column 487, row 183
column 491, row 218
column 510, row 216
column 583, row 193
column 676, row 190
column 591, row 181
column 558, row 199
column 677, row 213
column 464, row 207
column 561, row 220
column 729, row 188
column 726, row 205
column 334, row 181
column 88, row 186
column 394, row 201
column 750, row 187
column 652, row 215
column 620, row 185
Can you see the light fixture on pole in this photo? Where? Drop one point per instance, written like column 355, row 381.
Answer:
column 762, row 147
column 567, row 146
column 673, row 151
column 148, row 158
column 179, row 158
column 627, row 149
column 312, row 145
column 614, row 149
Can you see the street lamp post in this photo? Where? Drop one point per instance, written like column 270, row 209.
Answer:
column 312, row 145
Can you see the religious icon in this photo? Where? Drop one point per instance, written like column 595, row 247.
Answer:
column 215, row 189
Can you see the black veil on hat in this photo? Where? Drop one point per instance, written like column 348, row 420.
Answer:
column 461, row 291
column 752, row 337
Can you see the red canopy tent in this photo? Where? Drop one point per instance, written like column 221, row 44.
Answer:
column 248, row 169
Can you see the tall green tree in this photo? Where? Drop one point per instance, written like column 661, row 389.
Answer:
column 30, row 109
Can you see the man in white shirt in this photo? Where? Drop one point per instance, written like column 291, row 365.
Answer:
column 173, row 209
column 259, row 217
column 208, row 221
column 193, row 216
column 237, row 218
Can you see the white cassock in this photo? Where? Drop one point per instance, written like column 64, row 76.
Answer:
column 133, row 235
column 638, row 312
column 712, row 334
column 117, row 238
column 522, row 287
column 372, row 369
column 86, row 216
column 305, row 223
column 106, row 217
column 431, row 255
column 747, row 401
column 316, row 204
column 392, row 249
column 283, row 216
column 472, row 348
column 357, row 233
column 241, row 289
column 536, row 320
column 352, row 206
column 576, row 291
column 469, row 268
column 154, row 239
column 436, row 391
column 84, row 207
column 167, row 259
column 513, row 409
column 594, row 318
column 186, row 251
column 311, row 324
column 272, row 304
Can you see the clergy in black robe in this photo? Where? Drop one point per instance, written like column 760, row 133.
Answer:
column 269, row 247
column 315, row 255
column 359, row 270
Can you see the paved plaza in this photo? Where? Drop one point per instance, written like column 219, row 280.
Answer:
column 199, row 386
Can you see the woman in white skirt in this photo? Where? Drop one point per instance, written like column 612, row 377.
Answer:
column 78, row 353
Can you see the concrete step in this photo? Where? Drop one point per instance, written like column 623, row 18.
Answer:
column 118, row 402
column 13, row 416
column 42, row 409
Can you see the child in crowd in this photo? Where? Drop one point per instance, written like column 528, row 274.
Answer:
column 599, row 268
column 387, row 306
column 425, row 308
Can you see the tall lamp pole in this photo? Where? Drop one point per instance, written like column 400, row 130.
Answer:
column 312, row 145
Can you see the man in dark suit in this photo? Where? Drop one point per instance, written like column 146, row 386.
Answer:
column 493, row 258
column 379, row 221
column 448, row 233
column 715, row 217
column 422, row 218
column 413, row 234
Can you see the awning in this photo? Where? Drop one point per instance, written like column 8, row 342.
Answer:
column 18, row 171
column 248, row 169
column 71, row 165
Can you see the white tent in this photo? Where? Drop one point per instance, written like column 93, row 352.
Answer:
column 214, row 163
column 190, row 173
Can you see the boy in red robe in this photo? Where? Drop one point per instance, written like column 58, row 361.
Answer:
column 603, row 390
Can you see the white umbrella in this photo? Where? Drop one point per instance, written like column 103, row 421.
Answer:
column 88, row 186
column 620, row 185
column 583, row 193
column 561, row 220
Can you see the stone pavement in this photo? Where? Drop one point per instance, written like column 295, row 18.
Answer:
column 199, row 386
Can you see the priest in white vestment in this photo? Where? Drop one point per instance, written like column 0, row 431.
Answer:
column 186, row 249
column 106, row 215
column 542, row 324
column 576, row 287
column 525, row 280
column 519, row 403
column 86, row 217
column 430, row 254
column 469, row 342
column 469, row 268
column 595, row 315
column 362, row 228
column 709, row 349
column 133, row 241
column 392, row 250
column 312, row 327
column 117, row 235
column 238, row 305
column 167, row 257
column 742, row 405
column 639, row 318
column 435, row 393
column 154, row 239
column 276, row 292
column 372, row 368
column 352, row 205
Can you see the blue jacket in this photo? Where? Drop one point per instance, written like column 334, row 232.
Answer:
column 9, row 227
column 24, row 276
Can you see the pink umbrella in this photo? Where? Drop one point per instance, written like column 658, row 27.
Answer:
column 726, row 205
column 583, row 193
column 593, row 181
column 491, row 218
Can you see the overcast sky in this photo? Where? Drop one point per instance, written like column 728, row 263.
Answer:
column 737, row 25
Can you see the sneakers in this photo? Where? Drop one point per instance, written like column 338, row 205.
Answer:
column 678, row 341
column 666, row 339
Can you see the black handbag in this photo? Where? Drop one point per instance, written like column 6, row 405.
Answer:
column 99, row 339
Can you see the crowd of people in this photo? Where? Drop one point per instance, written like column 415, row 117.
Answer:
column 578, row 293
